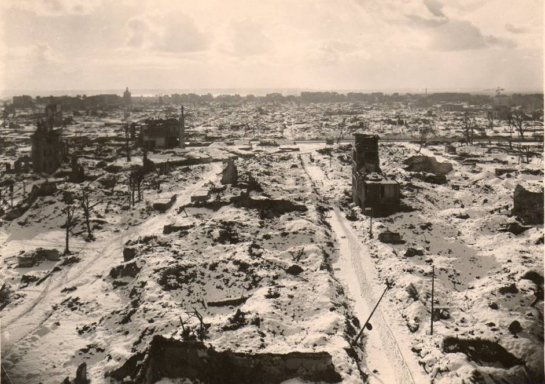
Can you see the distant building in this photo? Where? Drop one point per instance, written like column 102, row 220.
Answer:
column 371, row 190
column 53, row 113
column 47, row 145
column 23, row 101
column 502, row 100
column 453, row 107
column 127, row 97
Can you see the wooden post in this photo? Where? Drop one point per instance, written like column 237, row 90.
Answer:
column 127, row 143
column 432, row 294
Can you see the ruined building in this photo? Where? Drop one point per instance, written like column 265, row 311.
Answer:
column 47, row 146
column 160, row 133
column 376, row 194
column 164, row 133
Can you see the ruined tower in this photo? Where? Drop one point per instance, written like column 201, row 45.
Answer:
column 365, row 154
column 375, row 193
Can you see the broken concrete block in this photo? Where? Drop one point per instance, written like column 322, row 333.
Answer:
column 294, row 270
column 129, row 253
column 125, row 270
column 230, row 173
column 528, row 205
column 427, row 164
column 411, row 252
column 390, row 237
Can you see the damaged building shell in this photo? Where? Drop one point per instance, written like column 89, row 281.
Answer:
column 47, row 144
column 164, row 133
column 371, row 190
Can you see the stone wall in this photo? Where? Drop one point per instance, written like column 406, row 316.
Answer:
column 177, row 359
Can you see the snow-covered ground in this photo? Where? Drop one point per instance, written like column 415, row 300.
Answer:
column 481, row 283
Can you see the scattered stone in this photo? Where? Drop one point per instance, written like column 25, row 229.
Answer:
column 294, row 270
column 129, row 253
column 431, row 178
column 482, row 352
column 515, row 328
column 514, row 228
column 528, row 205
column 125, row 270
column 162, row 205
column 230, row 173
column 389, row 237
column 503, row 171
column 534, row 277
column 411, row 252
column 512, row 288
column 427, row 164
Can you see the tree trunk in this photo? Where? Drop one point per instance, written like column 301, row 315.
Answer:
column 88, row 224
column 68, row 224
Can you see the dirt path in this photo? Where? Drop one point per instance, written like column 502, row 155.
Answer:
column 387, row 354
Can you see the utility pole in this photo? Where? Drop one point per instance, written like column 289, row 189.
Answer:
column 11, row 195
column 388, row 286
column 127, row 135
column 370, row 212
column 432, row 294
column 181, row 132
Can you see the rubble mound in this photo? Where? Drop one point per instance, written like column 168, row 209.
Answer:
column 176, row 359
column 427, row 164
column 272, row 207
column 528, row 204
column 482, row 352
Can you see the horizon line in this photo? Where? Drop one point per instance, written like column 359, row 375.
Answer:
column 245, row 90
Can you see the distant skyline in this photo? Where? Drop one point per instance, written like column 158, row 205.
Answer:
column 367, row 45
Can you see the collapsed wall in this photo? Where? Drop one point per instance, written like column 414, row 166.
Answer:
column 177, row 359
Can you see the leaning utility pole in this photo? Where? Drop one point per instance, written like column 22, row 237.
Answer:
column 388, row 286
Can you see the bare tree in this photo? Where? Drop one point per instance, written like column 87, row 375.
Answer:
column 69, row 210
column 344, row 129
column 424, row 133
column 86, row 206
column 469, row 125
column 516, row 120
column 127, row 142
column 136, row 178
column 490, row 119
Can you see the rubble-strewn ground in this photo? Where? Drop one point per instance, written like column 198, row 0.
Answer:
column 485, row 279
column 99, row 309
column 270, row 271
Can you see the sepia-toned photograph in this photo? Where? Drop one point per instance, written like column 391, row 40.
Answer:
column 271, row 192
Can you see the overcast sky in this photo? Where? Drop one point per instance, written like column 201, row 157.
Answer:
column 317, row 44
